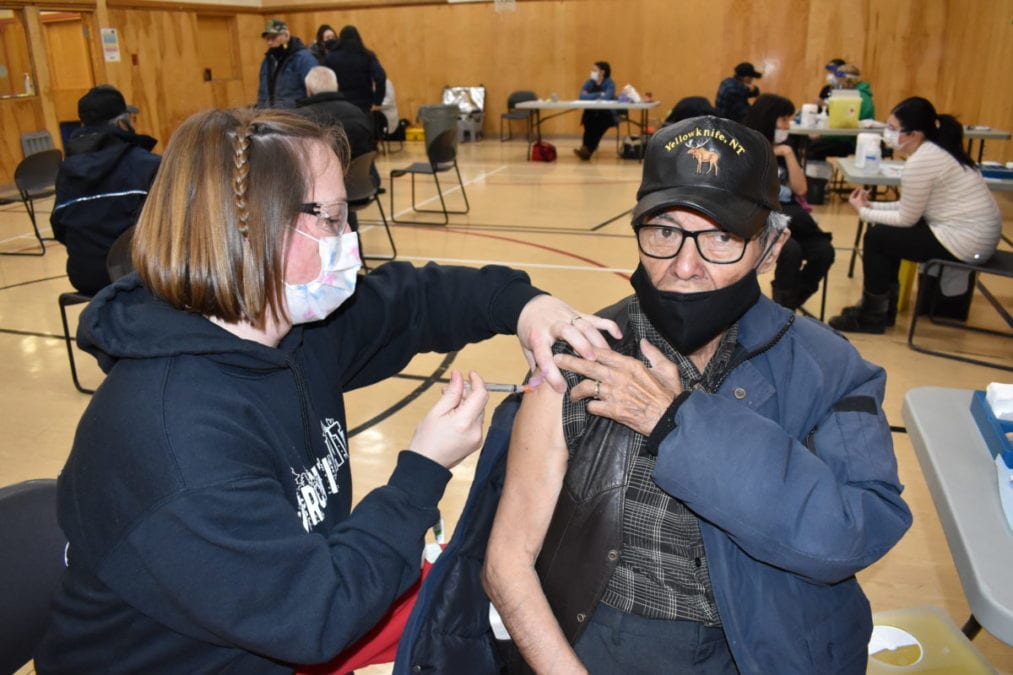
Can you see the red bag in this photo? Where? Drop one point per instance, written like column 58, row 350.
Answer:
column 379, row 645
column 542, row 151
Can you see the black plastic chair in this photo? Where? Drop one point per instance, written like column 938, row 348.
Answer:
column 32, row 562
column 35, row 178
column 118, row 265
column 513, row 113
column 362, row 192
column 440, row 125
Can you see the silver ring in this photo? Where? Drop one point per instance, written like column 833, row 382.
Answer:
column 597, row 390
column 574, row 319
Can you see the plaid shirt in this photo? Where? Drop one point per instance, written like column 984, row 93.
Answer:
column 662, row 572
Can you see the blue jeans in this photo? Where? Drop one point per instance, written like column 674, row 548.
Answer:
column 617, row 642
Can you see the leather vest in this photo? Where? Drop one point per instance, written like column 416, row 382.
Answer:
column 585, row 536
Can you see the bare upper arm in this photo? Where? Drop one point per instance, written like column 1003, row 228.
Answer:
column 536, row 466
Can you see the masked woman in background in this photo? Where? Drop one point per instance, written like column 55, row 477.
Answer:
column 945, row 211
column 598, row 87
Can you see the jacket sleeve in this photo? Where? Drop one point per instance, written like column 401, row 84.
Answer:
column 400, row 310
column 379, row 77
column 262, row 85
column 231, row 563
column 823, row 507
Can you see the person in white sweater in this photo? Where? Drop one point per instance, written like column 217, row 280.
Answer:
column 945, row 211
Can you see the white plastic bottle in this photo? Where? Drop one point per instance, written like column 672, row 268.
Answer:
column 873, row 153
column 821, row 119
column 29, row 85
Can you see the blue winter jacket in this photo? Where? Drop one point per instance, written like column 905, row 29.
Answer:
column 289, row 85
column 790, row 467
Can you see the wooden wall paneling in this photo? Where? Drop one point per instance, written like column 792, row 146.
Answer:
column 17, row 115
column 14, row 52
column 70, row 67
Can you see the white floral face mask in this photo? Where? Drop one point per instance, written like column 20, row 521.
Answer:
column 339, row 267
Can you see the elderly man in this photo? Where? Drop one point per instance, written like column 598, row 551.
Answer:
column 732, row 100
column 703, row 496
column 284, row 67
column 101, row 186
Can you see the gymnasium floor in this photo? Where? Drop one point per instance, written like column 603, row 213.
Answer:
column 567, row 225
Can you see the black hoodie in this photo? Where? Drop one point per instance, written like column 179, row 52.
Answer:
column 100, row 190
column 207, row 498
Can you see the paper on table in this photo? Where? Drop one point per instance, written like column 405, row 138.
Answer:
column 1000, row 399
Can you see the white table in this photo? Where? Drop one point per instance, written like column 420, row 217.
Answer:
column 562, row 107
column 971, row 133
column 961, row 477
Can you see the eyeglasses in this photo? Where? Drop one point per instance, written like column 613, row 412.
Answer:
column 331, row 216
column 665, row 241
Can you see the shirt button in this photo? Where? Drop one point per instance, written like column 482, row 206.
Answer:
column 580, row 617
column 739, row 393
column 613, row 555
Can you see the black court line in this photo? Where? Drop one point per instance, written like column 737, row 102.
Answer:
column 427, row 382
column 33, row 281
column 611, row 220
column 31, row 333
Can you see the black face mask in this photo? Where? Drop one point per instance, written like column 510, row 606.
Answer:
column 688, row 321
column 278, row 52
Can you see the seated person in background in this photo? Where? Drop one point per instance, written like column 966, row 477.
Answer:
column 598, row 87
column 831, row 81
column 325, row 105
column 848, row 77
column 389, row 107
column 945, row 211
column 732, row 100
column 808, row 254
column 691, row 106
column 703, row 496
column 101, row 185
column 211, row 527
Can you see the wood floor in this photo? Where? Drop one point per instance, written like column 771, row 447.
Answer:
column 567, row 225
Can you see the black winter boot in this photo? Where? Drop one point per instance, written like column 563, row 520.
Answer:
column 870, row 317
column 893, row 294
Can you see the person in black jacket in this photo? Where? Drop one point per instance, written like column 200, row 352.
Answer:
column 101, row 186
column 328, row 107
column 211, row 529
column 361, row 78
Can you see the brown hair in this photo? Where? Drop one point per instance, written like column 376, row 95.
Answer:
column 211, row 237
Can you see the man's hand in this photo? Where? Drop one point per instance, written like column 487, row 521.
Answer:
column 623, row 389
column 546, row 319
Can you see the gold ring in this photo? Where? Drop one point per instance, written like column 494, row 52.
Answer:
column 597, row 390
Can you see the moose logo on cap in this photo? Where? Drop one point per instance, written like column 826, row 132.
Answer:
column 703, row 156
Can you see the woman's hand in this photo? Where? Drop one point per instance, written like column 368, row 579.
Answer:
column 623, row 389
column 546, row 319
column 859, row 199
column 783, row 150
column 452, row 430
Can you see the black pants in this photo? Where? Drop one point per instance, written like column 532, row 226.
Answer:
column 616, row 642
column 806, row 257
column 884, row 246
column 596, row 123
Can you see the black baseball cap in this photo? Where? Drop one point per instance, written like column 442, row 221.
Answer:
column 101, row 104
column 746, row 69
column 712, row 165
